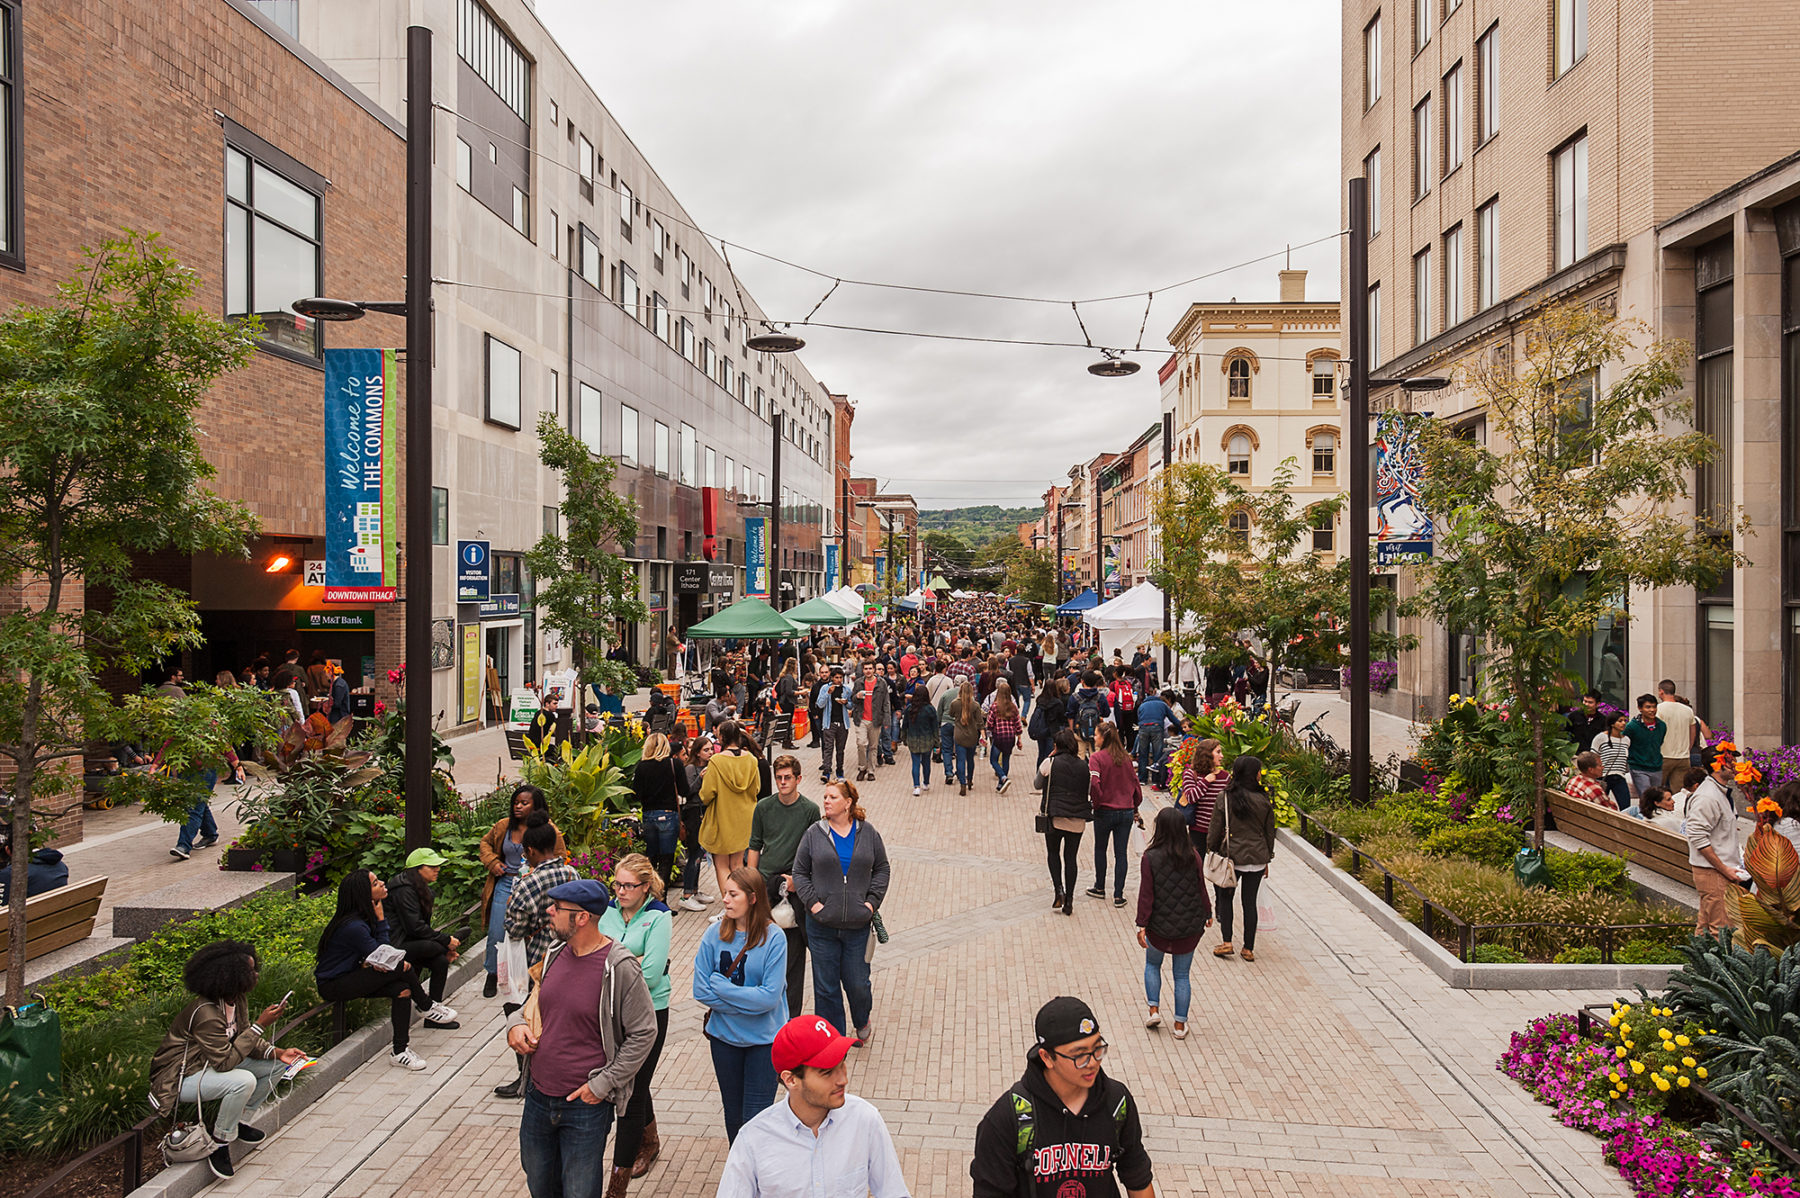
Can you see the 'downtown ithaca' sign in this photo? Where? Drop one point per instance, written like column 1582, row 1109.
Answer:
column 362, row 494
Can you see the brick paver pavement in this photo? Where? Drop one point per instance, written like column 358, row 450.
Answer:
column 1333, row 1065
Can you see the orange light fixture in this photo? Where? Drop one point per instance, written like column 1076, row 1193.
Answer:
column 278, row 563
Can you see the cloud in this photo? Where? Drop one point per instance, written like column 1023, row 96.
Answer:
column 1042, row 148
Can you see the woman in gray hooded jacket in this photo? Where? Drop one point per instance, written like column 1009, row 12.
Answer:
column 841, row 874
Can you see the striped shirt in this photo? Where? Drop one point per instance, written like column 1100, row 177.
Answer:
column 1614, row 752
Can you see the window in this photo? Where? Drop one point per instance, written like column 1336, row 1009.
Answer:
column 1487, row 255
column 1372, row 172
column 1452, row 94
column 585, row 161
column 758, row 409
column 1237, row 379
column 1422, row 296
column 1422, row 160
column 687, row 339
column 552, row 522
column 12, row 147
column 1577, row 394
column 660, row 448
column 272, row 248
column 628, row 290
column 762, row 486
column 555, row 228
column 1487, row 85
column 711, row 477
column 628, row 436
column 521, row 214
column 1424, row 18
column 659, row 308
column 1324, row 531
column 1324, row 453
column 686, row 265
column 709, row 359
column 1714, row 342
column 1374, row 323
column 487, row 49
column 587, row 425
column 1571, row 33
column 730, row 475
column 658, row 240
column 1237, row 455
column 590, row 258
column 690, row 446
column 1569, row 168
column 1453, row 277
column 1238, row 523
column 625, row 208
column 465, row 165
column 1324, row 378
column 285, row 14
column 504, row 368
column 1372, row 62
column 440, row 515
column 727, row 373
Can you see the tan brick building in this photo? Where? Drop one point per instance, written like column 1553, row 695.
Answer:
column 1526, row 150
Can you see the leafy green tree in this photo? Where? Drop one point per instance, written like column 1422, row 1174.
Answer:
column 1573, row 501
column 100, row 465
column 1239, row 563
column 1031, row 574
column 583, row 584
column 191, row 732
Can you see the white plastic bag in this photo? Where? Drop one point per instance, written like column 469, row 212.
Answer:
column 512, row 970
column 1265, row 909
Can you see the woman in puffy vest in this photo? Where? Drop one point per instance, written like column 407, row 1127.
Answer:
column 1172, row 913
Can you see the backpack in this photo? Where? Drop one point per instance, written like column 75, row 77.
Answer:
column 1124, row 698
column 1026, row 1120
column 1087, row 714
column 1036, row 728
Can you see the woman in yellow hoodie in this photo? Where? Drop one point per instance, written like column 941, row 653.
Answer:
column 729, row 788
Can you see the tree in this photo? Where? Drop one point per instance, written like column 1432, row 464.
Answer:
column 1238, row 563
column 583, row 585
column 1542, row 531
column 100, row 465
column 1031, row 574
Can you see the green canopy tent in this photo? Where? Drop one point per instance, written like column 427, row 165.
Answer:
column 818, row 611
column 937, row 583
column 747, row 619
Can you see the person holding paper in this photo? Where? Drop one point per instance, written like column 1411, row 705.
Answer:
column 356, row 961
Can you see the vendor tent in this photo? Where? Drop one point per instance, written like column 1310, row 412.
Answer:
column 937, row 584
column 911, row 601
column 823, row 611
column 1080, row 603
column 1131, row 619
column 747, row 619
column 846, row 600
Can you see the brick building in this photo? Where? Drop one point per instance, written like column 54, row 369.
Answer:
column 1520, row 151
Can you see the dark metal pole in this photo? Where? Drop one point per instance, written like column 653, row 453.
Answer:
column 1168, row 448
column 1099, row 545
column 1060, row 596
column 891, row 571
column 775, row 517
column 418, row 437
column 1358, row 420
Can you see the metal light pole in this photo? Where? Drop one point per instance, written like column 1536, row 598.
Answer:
column 418, row 436
column 1358, row 421
column 1061, row 594
column 775, row 516
column 1099, row 544
column 1168, row 450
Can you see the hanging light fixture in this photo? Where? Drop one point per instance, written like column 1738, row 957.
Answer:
column 772, row 342
column 1113, row 366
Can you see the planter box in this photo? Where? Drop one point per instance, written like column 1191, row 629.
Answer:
column 280, row 861
column 243, row 860
column 287, row 861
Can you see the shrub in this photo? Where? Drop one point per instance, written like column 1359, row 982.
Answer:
column 1647, row 952
column 1488, row 841
column 1602, row 872
column 1585, row 954
column 1498, row 954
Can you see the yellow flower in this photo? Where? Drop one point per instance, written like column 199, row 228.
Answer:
column 1620, row 1050
column 1665, row 1033
column 1688, row 1061
column 1630, row 1044
column 1681, row 1081
column 1670, row 1070
column 1683, row 1041
column 1626, row 1028
column 1613, row 1077
column 1637, row 1066
column 1702, row 1072
column 1614, row 1021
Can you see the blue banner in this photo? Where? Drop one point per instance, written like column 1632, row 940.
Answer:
column 362, row 493
column 881, row 569
column 756, row 556
column 831, row 568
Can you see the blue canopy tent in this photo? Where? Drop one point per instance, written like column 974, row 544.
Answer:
column 1080, row 603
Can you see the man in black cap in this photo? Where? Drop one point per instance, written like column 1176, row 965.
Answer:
column 833, row 716
column 1065, row 1128
column 592, row 1016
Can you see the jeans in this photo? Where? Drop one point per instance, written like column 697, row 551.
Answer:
column 868, row 745
column 796, row 956
column 921, row 766
column 965, row 764
column 373, row 983
column 1023, row 696
column 1642, row 780
column 1000, row 759
column 1043, row 744
column 947, row 749
column 562, row 1145
column 1113, row 823
column 1061, row 848
column 890, row 737
column 691, row 854
column 200, row 816
column 1248, row 884
column 235, row 1090
column 640, row 1112
column 832, row 741
column 747, row 1083
column 496, row 922
column 840, row 968
column 1620, row 791
column 1182, row 962
column 1149, row 749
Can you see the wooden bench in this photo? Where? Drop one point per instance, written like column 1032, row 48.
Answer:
column 57, row 919
column 1655, row 848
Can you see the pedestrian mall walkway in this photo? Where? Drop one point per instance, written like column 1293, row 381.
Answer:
column 1332, row 1065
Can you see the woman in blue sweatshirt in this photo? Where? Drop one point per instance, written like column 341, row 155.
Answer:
column 740, row 976
column 357, row 929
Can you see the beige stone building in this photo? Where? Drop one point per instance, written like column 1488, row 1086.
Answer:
column 1520, row 151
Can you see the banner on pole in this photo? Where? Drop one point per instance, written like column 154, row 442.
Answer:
column 881, row 569
column 831, row 568
column 1403, row 529
column 362, row 492
column 756, row 556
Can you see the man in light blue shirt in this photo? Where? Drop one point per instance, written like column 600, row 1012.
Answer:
column 822, row 1140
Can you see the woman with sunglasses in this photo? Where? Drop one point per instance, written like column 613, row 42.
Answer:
column 640, row 920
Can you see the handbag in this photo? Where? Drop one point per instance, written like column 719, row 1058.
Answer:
column 1043, row 811
column 188, row 1142
column 1219, row 869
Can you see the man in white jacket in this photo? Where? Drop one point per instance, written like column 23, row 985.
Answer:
column 1710, row 825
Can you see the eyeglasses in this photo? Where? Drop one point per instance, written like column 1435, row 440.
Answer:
column 566, row 910
column 1084, row 1060
column 622, row 884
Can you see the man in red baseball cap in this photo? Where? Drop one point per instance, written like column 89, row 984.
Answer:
column 821, row 1134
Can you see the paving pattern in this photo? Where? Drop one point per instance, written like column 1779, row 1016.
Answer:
column 1333, row 1065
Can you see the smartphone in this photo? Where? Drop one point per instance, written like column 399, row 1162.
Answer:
column 285, row 998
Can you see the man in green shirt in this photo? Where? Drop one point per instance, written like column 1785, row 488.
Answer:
column 775, row 831
column 1645, row 759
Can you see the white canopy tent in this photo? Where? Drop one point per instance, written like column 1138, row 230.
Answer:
column 1132, row 619
column 846, row 600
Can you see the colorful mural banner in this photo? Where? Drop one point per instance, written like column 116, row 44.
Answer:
column 881, row 569
column 756, row 556
column 1403, row 529
column 362, row 489
column 831, row 568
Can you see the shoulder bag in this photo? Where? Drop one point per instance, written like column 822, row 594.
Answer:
column 1219, row 869
column 706, row 1015
column 1043, row 812
column 187, row 1142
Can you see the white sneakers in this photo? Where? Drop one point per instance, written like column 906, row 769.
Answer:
column 439, row 1013
column 407, row 1059
column 1153, row 1019
column 692, row 903
column 915, row 792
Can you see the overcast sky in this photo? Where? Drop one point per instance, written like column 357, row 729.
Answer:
column 1032, row 147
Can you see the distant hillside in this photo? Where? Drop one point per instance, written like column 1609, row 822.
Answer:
column 976, row 526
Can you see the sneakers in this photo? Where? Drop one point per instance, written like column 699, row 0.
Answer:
column 219, row 1161
column 915, row 792
column 406, row 1058
column 439, row 1013
column 181, row 854
column 1118, row 900
column 1180, row 1030
column 691, row 902
column 441, row 1025
column 861, row 1035
column 249, row 1136
column 206, row 842
column 1004, row 783
column 1153, row 1019
column 1095, row 892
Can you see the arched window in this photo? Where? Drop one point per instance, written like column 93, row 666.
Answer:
column 1237, row 455
column 1238, row 523
column 1324, row 376
column 1324, row 531
column 1237, row 379
column 1324, row 453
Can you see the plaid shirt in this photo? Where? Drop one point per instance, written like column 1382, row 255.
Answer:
column 528, row 907
column 1579, row 786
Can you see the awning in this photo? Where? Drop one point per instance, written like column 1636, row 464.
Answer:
column 822, row 611
column 747, row 619
column 846, row 600
column 1079, row 603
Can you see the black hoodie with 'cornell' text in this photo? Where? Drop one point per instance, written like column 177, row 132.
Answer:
column 1029, row 1145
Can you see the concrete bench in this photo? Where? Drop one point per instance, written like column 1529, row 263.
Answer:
column 205, row 890
column 57, row 919
column 1655, row 848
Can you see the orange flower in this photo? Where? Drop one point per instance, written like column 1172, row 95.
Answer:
column 1762, row 805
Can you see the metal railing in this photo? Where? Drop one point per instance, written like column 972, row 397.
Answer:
column 1435, row 918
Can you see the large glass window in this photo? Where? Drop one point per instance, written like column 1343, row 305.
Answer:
column 1237, row 455
column 1372, row 62
column 1487, row 85
column 590, row 258
column 1372, row 172
column 690, row 467
column 660, row 448
column 660, row 309
column 12, row 159
column 588, row 425
column 1569, row 167
column 1237, row 379
column 1487, row 255
column 272, row 251
column 1324, row 453
column 1324, row 532
column 1453, row 277
column 1452, row 93
column 505, row 369
column 487, row 49
column 628, row 290
column 1424, row 21
column 1324, row 378
column 440, row 516
column 1571, row 33
column 629, row 444
column 1422, row 296
column 1422, row 160
column 1714, row 349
